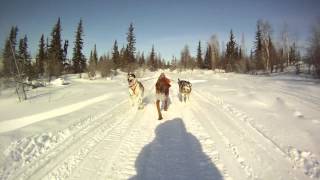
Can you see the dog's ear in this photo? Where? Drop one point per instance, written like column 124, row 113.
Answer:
column 178, row 80
column 130, row 74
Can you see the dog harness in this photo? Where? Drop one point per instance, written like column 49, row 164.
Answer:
column 133, row 88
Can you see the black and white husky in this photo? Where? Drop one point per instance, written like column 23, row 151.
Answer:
column 185, row 88
column 136, row 91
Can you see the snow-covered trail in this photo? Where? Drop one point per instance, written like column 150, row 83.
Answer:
column 205, row 138
column 123, row 144
column 188, row 144
column 140, row 147
column 251, row 152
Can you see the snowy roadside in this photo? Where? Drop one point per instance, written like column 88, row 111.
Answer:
column 12, row 124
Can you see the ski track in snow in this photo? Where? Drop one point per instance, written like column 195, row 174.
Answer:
column 208, row 144
column 290, row 157
column 311, row 101
column 103, row 141
column 99, row 161
column 90, row 156
column 122, row 164
column 73, row 140
column 107, row 131
column 149, row 163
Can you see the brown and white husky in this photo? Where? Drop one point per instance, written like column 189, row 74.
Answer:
column 136, row 91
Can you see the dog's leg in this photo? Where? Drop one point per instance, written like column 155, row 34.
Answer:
column 140, row 102
column 131, row 100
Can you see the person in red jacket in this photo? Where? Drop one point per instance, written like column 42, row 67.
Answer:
column 162, row 93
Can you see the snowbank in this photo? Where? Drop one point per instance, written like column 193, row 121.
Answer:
column 10, row 125
column 59, row 82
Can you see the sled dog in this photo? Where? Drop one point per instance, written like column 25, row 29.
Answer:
column 185, row 88
column 136, row 91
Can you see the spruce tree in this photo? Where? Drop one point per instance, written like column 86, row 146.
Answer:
column 231, row 52
column 251, row 55
column 173, row 64
column 123, row 58
column 168, row 65
column 78, row 59
column 142, row 60
column 293, row 54
column 95, row 55
column 24, row 59
column 258, row 49
column 41, row 57
column 116, row 55
column 208, row 58
column 199, row 56
column 153, row 60
column 31, row 74
column 7, row 59
column 273, row 55
column 9, row 52
column 21, row 58
column 65, row 52
column 55, row 52
column 13, row 42
column 93, row 61
column 130, row 50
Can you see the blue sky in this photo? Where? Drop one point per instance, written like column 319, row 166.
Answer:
column 168, row 24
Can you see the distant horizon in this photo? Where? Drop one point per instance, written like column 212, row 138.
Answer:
column 169, row 26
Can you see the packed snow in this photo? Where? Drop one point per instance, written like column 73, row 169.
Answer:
column 234, row 127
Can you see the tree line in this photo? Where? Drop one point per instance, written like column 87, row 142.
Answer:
column 267, row 55
column 51, row 59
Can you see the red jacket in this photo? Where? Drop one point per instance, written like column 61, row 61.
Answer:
column 163, row 85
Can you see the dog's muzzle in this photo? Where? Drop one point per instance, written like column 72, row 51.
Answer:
column 130, row 81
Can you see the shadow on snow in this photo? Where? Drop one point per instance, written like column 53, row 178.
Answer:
column 174, row 154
